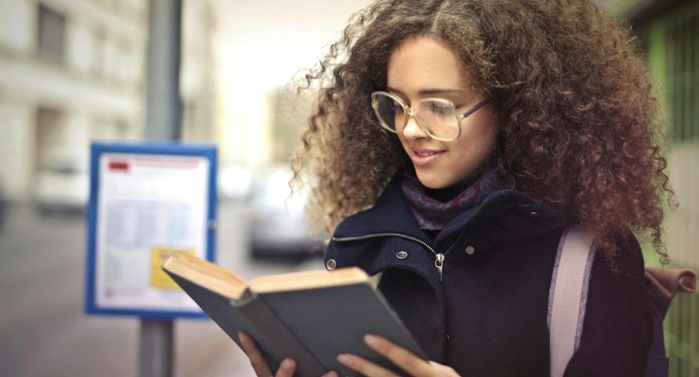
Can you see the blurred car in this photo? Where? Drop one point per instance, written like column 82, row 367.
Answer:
column 62, row 186
column 4, row 203
column 234, row 183
column 279, row 228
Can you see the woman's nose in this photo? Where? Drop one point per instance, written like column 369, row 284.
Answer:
column 412, row 130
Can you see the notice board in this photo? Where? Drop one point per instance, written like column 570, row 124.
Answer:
column 146, row 201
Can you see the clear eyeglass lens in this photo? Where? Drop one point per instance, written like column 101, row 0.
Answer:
column 388, row 110
column 437, row 117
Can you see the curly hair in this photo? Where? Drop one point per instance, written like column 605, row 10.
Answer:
column 581, row 125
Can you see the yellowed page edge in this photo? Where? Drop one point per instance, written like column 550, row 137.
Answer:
column 308, row 280
column 206, row 274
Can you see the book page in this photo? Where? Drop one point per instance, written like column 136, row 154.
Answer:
column 308, row 280
column 208, row 275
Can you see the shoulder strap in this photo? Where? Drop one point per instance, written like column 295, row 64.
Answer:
column 568, row 296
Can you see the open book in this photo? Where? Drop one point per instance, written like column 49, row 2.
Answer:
column 309, row 316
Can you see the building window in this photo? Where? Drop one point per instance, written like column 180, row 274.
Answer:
column 51, row 34
column 99, row 50
column 671, row 41
column 683, row 73
column 50, row 133
column 121, row 129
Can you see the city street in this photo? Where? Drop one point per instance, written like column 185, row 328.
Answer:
column 43, row 328
column 589, row 105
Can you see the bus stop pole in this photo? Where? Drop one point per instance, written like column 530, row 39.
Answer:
column 163, row 70
column 156, row 348
column 163, row 115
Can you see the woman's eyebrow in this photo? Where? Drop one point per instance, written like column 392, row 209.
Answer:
column 431, row 91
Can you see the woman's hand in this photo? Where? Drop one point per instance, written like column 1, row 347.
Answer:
column 412, row 364
column 259, row 364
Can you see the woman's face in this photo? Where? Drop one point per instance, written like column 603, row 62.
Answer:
column 424, row 67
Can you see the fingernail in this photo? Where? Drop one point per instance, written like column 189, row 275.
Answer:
column 372, row 340
column 288, row 363
column 344, row 358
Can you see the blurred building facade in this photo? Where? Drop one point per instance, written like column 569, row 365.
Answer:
column 670, row 37
column 72, row 71
column 669, row 34
column 289, row 112
column 201, row 120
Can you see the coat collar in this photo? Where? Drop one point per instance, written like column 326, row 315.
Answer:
column 502, row 216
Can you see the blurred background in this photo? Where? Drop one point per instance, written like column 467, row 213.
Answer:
column 74, row 71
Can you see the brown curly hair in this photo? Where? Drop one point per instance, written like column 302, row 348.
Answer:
column 581, row 124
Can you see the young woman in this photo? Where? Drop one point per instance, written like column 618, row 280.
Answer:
column 453, row 145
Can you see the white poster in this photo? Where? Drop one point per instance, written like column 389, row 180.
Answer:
column 148, row 205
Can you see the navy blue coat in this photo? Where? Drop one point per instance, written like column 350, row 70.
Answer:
column 485, row 313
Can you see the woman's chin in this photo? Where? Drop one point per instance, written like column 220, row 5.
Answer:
column 432, row 180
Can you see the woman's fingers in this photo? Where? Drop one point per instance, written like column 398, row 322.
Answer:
column 257, row 360
column 399, row 356
column 286, row 369
column 364, row 366
column 443, row 370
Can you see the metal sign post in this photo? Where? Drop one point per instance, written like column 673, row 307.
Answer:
column 156, row 348
column 162, row 122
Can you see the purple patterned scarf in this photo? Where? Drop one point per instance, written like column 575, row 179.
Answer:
column 432, row 214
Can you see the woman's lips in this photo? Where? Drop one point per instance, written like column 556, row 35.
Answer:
column 424, row 157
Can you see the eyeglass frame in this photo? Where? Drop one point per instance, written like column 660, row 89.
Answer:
column 411, row 113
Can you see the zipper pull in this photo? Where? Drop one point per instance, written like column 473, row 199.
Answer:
column 439, row 263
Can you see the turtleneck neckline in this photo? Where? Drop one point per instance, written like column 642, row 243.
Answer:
column 434, row 208
column 448, row 193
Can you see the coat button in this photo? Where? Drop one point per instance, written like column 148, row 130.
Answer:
column 534, row 213
column 402, row 254
column 330, row 264
column 470, row 250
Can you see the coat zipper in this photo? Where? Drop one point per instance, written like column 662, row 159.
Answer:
column 439, row 257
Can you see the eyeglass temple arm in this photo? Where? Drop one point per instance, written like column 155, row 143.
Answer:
column 475, row 107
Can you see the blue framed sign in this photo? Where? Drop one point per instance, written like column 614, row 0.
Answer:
column 147, row 200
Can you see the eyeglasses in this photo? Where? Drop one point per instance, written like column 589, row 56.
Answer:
column 436, row 116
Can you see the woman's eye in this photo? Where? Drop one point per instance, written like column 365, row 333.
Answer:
column 440, row 110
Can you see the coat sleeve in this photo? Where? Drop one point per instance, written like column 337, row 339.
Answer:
column 617, row 329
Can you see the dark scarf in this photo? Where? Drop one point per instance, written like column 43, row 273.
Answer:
column 433, row 214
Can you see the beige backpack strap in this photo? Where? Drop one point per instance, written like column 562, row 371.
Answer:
column 568, row 296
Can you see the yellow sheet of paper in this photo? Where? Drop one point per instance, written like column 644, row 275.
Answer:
column 158, row 255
